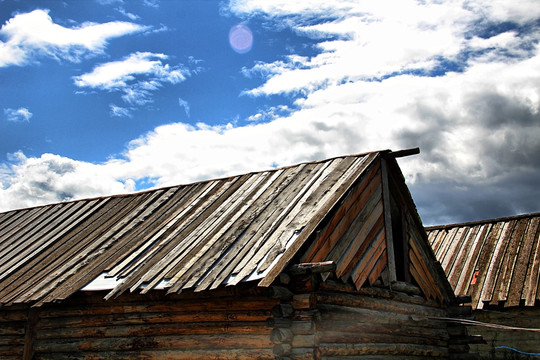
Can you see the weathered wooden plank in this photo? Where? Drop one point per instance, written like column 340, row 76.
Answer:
column 494, row 268
column 333, row 196
column 372, row 224
column 516, row 283
column 62, row 251
column 378, row 268
column 363, row 304
column 225, row 304
column 388, row 349
column 175, row 239
column 174, row 214
column 19, row 220
column 181, row 342
column 508, row 263
column 149, row 268
column 248, row 226
column 312, row 200
column 160, row 354
column 426, row 265
column 156, row 329
column 163, row 318
column 362, row 216
column 530, row 290
column 448, row 239
column 229, row 232
column 342, row 219
column 418, row 273
column 108, row 249
column 454, row 248
column 27, row 242
column 471, row 262
column 280, row 227
column 362, row 271
column 482, row 266
column 376, row 228
column 457, row 267
column 86, row 209
column 285, row 197
column 388, row 221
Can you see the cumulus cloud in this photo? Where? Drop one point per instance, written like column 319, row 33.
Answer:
column 137, row 76
column 53, row 178
column 18, row 115
column 449, row 79
column 31, row 36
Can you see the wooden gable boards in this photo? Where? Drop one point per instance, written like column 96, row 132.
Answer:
column 375, row 235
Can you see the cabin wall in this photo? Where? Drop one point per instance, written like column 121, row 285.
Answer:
column 336, row 321
column 524, row 341
column 222, row 324
column 13, row 322
column 392, row 325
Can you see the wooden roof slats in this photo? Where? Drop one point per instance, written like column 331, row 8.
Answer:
column 210, row 250
column 283, row 227
column 204, row 235
column 30, row 247
column 121, row 266
column 253, row 226
column 193, row 218
column 507, row 266
column 340, row 224
column 331, row 198
column 57, row 256
column 531, row 290
column 108, row 247
column 496, row 262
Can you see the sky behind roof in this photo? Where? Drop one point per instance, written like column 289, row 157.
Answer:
column 102, row 97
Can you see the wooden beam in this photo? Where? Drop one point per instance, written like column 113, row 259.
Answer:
column 405, row 152
column 30, row 334
column 317, row 267
column 388, row 223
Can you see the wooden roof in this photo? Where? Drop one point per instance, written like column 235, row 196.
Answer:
column 201, row 235
column 494, row 261
column 219, row 232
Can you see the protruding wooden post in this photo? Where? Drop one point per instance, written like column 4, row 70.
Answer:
column 29, row 335
column 388, row 223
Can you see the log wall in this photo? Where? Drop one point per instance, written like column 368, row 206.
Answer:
column 336, row 321
column 389, row 325
column 187, row 326
column 13, row 322
column 524, row 341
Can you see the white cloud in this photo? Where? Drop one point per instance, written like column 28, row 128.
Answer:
column 52, row 178
column 477, row 127
column 33, row 35
column 136, row 76
column 18, row 115
column 183, row 103
column 118, row 111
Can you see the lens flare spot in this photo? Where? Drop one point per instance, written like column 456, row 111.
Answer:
column 241, row 38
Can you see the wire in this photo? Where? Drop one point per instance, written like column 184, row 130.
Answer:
column 518, row 351
column 483, row 324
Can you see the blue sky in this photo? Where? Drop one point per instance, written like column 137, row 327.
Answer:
column 102, row 97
